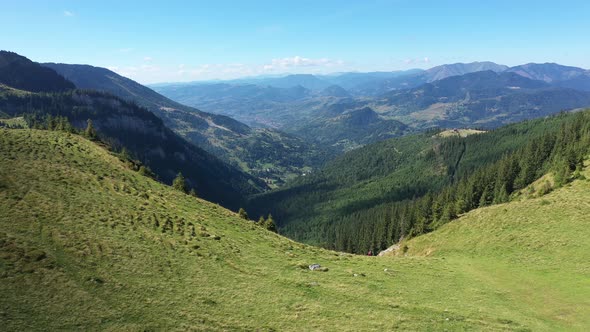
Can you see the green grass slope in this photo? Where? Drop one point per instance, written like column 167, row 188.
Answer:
column 534, row 252
column 87, row 244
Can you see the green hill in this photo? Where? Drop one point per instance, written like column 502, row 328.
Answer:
column 88, row 244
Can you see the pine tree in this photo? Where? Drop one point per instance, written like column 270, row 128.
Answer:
column 193, row 192
column 179, row 183
column 243, row 214
column 485, row 199
column 90, row 132
column 125, row 154
column 270, row 224
column 562, row 173
column 261, row 221
column 501, row 194
column 65, row 125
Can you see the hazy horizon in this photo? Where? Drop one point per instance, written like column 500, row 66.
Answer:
column 201, row 41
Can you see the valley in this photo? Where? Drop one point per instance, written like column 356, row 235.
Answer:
column 269, row 155
column 108, row 264
column 295, row 166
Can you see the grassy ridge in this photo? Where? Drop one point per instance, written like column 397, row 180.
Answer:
column 87, row 244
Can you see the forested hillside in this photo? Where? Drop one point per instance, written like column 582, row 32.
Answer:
column 268, row 154
column 371, row 197
column 21, row 73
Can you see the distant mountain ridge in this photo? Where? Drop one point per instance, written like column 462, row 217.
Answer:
column 548, row 72
column 356, row 83
column 308, row 81
column 485, row 99
column 555, row 74
column 480, row 94
column 458, row 69
column 476, row 84
column 359, row 83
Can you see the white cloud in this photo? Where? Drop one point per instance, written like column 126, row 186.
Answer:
column 207, row 71
column 68, row 13
column 147, row 72
column 137, row 72
column 298, row 62
column 417, row 61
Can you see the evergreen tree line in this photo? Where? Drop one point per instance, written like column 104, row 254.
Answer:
column 561, row 152
column 49, row 122
column 62, row 123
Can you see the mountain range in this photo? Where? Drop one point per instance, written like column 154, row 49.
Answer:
column 479, row 94
column 482, row 99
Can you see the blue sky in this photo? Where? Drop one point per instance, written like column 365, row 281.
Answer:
column 196, row 40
